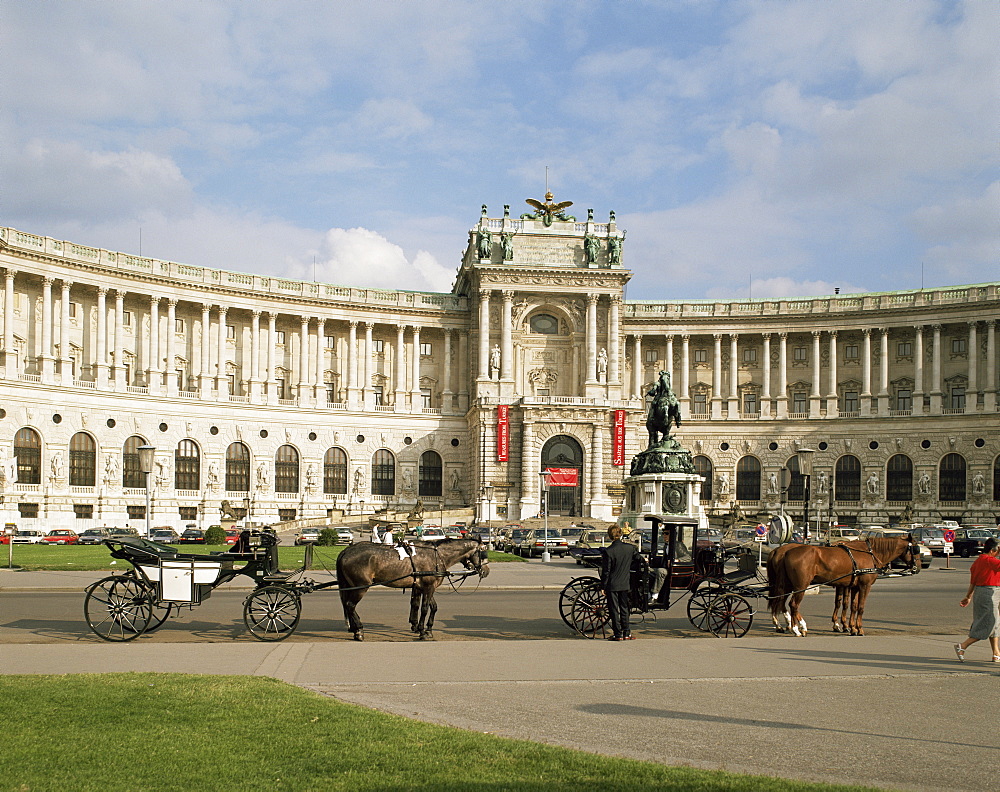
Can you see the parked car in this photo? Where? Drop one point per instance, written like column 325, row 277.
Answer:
column 164, row 536
column 307, row 536
column 94, row 536
column 875, row 531
column 345, row 536
column 430, row 533
column 27, row 537
column 119, row 533
column 60, row 536
column 740, row 536
column 709, row 537
column 513, row 539
column 930, row 536
column 970, row 541
column 571, row 534
column 588, row 546
column 642, row 538
column 192, row 536
column 537, row 541
column 232, row 535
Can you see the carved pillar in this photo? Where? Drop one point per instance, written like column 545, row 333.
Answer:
column 272, row 374
column 221, row 382
column 990, row 388
column 866, row 371
column 65, row 360
column 44, row 355
column 101, row 361
column 10, row 371
column 833, row 396
column 354, row 393
column 598, row 500
column 399, row 386
column 204, row 371
column 685, row 397
column 416, row 400
column 668, row 363
column 506, row 337
column 463, row 372
column 733, row 407
column 782, row 375
column 591, row 342
column 936, row 371
column 530, row 503
column 717, row 378
column 918, row 370
column 120, row 380
column 883, row 378
column 614, row 336
column 154, row 374
column 367, row 397
column 814, row 394
column 447, row 396
column 637, row 366
column 972, row 391
column 484, row 335
column 171, row 367
column 302, row 367
column 765, row 397
column 255, row 384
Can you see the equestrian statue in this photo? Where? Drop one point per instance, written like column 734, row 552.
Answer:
column 664, row 409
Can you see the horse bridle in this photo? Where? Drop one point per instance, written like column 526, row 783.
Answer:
column 913, row 565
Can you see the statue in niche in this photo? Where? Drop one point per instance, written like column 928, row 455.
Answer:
column 213, row 474
column 507, row 245
column 495, row 361
column 311, row 476
column 263, row 476
column 57, row 466
column 591, row 246
column 772, row 483
column 456, row 481
column 602, row 363
column 8, row 469
column 723, row 486
column 924, row 484
column 978, row 484
column 485, row 243
column 359, row 481
column 872, row 483
column 822, row 484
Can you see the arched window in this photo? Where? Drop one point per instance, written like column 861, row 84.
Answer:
column 847, row 479
column 899, row 478
column 564, row 451
column 703, row 465
column 132, row 475
column 951, row 478
column 335, row 472
column 544, row 323
column 383, row 473
column 430, row 474
column 286, row 469
column 796, row 481
column 82, row 460
column 237, row 468
column 28, row 452
column 748, row 479
column 187, row 466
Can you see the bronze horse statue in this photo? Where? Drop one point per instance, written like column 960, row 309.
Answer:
column 363, row 565
column 663, row 409
column 850, row 567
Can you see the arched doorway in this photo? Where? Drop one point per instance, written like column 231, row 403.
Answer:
column 564, row 451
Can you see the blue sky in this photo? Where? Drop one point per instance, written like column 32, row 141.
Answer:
column 758, row 149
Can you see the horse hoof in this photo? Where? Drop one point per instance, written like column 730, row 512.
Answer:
column 359, row 636
column 426, row 636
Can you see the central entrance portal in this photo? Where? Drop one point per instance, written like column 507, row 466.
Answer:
column 564, row 451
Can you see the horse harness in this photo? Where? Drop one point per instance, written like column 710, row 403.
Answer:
column 875, row 570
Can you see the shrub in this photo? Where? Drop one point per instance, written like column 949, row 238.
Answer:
column 215, row 535
column 327, row 537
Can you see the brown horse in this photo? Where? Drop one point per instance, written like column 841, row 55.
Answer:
column 364, row 565
column 851, row 568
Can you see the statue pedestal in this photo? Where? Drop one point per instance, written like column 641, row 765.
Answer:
column 663, row 481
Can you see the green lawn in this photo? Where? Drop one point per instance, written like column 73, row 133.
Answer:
column 164, row 732
column 92, row 558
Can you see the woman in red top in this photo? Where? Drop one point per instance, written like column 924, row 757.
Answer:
column 984, row 593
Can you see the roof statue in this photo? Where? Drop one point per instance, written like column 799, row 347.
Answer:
column 548, row 211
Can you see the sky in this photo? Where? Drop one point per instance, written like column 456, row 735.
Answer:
column 749, row 149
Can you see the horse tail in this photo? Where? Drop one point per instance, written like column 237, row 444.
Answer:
column 778, row 586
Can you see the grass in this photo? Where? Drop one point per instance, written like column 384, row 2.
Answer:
column 164, row 732
column 97, row 557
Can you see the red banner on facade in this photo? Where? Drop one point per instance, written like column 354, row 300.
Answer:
column 503, row 432
column 618, row 439
column 562, row 477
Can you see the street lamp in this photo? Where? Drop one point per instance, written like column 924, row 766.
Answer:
column 488, row 492
column 247, row 506
column 546, row 557
column 783, row 488
column 147, row 455
column 805, row 460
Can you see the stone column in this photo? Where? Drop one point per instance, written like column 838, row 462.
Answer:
column 506, row 337
column 354, row 393
column 990, row 389
column 782, row 375
column 530, row 503
column 733, row 407
column 367, row 398
column 170, row 368
column 45, row 363
column 120, row 380
column 321, row 353
column 463, row 372
column 637, row 366
column 10, row 371
column 255, row 384
column 833, row 396
column 484, row 335
column 399, row 386
column 765, row 396
column 204, row 368
column 221, row 383
column 272, row 374
column 416, row 401
column 918, row 370
column 883, row 378
column 866, row 371
column 101, row 362
column 685, row 396
column 972, row 391
column 597, row 496
column 936, row 371
column 591, row 342
column 614, row 350
column 65, row 360
column 716, row 413
column 668, row 362
column 302, row 367
column 447, row 396
column 154, row 374
column 814, row 395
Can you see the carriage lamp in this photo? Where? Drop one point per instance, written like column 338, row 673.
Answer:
column 805, row 460
column 147, row 456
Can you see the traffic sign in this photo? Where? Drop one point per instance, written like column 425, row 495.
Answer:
column 760, row 534
column 949, row 535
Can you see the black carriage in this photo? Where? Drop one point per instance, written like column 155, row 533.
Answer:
column 679, row 567
column 162, row 580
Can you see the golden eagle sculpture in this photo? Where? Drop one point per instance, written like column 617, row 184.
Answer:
column 548, row 211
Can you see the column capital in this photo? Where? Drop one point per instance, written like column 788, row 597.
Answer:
column 592, row 299
column 833, row 333
column 223, row 310
column 47, row 281
column 884, row 331
column 973, row 323
column 10, row 273
column 66, row 284
column 154, row 300
column 507, row 294
column 206, row 307
column 172, row 302
column 783, row 335
column 866, row 332
column 766, row 336
column 733, row 336
column 484, row 293
column 717, row 337
column 103, row 291
column 369, row 325
column 990, row 323
column 256, row 313
column 615, row 299
column 685, row 337
column 936, row 327
column 400, row 327
column 816, row 333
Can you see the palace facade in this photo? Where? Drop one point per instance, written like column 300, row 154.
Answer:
column 289, row 400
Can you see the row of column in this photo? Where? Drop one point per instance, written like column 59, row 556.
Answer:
column 832, row 394
column 309, row 356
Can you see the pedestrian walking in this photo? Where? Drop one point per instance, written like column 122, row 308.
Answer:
column 984, row 594
column 616, row 569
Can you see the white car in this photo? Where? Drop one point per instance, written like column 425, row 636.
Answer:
column 307, row 536
column 431, row 534
column 27, row 537
column 345, row 536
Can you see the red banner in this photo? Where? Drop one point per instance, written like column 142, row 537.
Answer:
column 503, row 432
column 618, row 439
column 562, row 477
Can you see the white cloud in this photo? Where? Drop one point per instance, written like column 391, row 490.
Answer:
column 781, row 288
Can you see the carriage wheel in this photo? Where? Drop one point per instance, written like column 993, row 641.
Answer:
column 119, row 608
column 699, row 604
column 160, row 615
column 271, row 613
column 589, row 612
column 729, row 616
column 569, row 595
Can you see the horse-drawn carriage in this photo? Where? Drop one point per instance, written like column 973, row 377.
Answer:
column 162, row 580
column 680, row 566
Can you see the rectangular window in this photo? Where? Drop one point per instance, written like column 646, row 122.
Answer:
column 800, row 403
column 800, row 354
column 749, row 355
column 179, row 326
column 750, row 403
column 331, row 395
column 232, row 384
column 128, row 373
column 136, row 512
column 127, row 318
column 230, row 332
column 701, row 356
column 74, row 310
column 188, row 512
column 180, row 378
column 425, row 397
column 379, row 346
column 851, row 352
column 958, row 398
column 700, row 404
column 904, row 400
column 331, row 342
column 279, row 337
column 851, row 403
column 652, row 355
column 285, row 515
column 425, row 349
column 28, row 511
column 904, row 349
column 377, row 396
column 958, row 346
column 83, row 511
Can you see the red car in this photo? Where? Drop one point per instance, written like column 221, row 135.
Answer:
column 232, row 535
column 60, row 536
